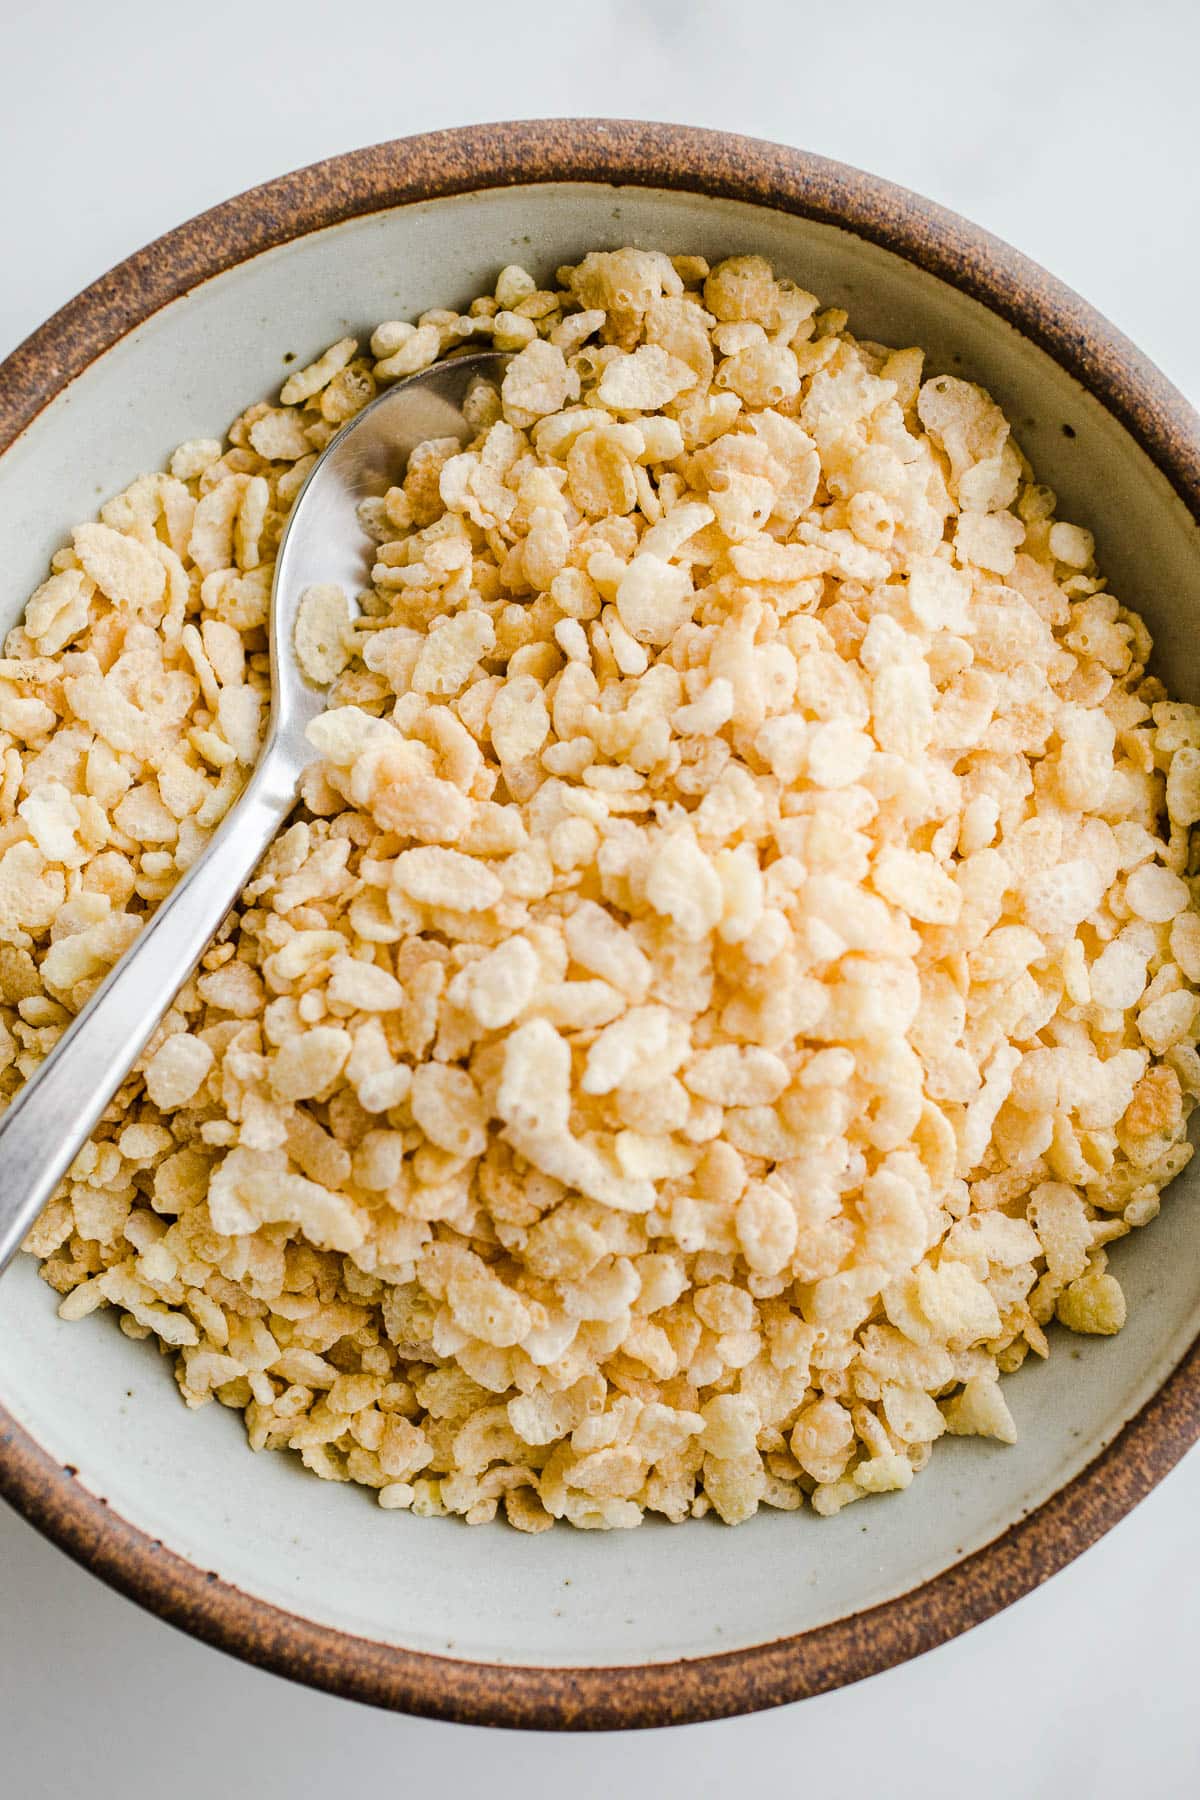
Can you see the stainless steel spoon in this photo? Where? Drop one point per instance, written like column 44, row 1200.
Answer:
column 57, row 1110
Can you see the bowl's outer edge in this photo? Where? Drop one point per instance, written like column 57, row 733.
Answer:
column 621, row 152
column 624, row 153
column 629, row 1696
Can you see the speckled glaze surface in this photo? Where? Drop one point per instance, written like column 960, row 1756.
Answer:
column 1041, row 1520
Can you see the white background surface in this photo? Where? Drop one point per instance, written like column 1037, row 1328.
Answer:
column 1069, row 128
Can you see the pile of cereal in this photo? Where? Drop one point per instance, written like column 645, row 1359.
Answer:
column 734, row 968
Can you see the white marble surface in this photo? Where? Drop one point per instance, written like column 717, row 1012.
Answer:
column 1070, row 129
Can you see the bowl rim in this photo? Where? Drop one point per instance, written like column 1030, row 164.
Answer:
column 435, row 166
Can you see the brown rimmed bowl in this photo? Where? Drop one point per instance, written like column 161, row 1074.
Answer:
column 573, row 1630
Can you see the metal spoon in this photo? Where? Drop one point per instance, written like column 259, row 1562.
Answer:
column 57, row 1110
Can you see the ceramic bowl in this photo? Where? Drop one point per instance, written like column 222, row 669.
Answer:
column 663, row 1624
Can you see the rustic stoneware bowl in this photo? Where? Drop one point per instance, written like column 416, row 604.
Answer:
column 571, row 1629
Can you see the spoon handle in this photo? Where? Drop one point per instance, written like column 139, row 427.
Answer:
column 56, row 1111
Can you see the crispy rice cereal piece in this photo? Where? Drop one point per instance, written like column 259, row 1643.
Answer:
column 736, row 964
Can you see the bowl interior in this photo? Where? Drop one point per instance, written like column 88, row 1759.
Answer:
column 110, row 1408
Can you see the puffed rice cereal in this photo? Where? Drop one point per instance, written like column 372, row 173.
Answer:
column 735, row 968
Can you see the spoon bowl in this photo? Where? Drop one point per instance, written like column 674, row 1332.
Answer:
column 324, row 541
